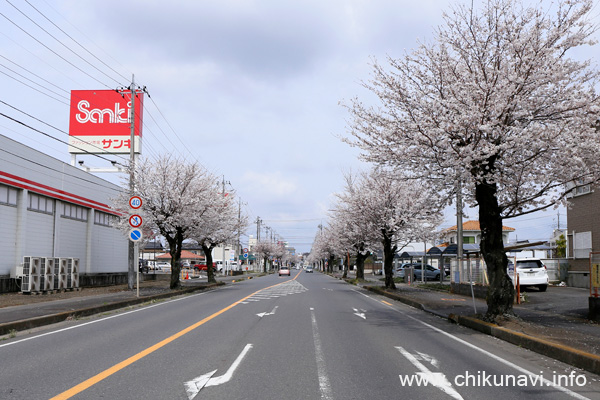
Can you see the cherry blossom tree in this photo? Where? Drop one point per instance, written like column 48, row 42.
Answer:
column 497, row 104
column 174, row 194
column 265, row 249
column 219, row 222
column 356, row 230
column 326, row 247
column 393, row 210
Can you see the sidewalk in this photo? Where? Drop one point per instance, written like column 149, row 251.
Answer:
column 47, row 310
column 558, row 330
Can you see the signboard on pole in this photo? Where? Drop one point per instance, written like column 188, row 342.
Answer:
column 135, row 202
column 135, row 235
column 135, row 221
column 99, row 122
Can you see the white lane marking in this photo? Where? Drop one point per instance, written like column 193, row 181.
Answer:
column 324, row 385
column 229, row 374
column 193, row 387
column 436, row 379
column 103, row 319
column 262, row 314
column 360, row 314
column 485, row 352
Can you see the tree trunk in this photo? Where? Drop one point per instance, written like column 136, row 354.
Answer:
column 346, row 266
column 360, row 265
column 501, row 292
column 175, row 244
column 388, row 260
column 265, row 266
column 210, row 274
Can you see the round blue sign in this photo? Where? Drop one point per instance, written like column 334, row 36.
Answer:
column 135, row 235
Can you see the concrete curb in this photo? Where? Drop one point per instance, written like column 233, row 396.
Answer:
column 36, row 322
column 577, row 358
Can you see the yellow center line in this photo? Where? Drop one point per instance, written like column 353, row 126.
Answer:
column 116, row 368
column 385, row 302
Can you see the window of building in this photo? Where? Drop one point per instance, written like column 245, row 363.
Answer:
column 8, row 195
column 73, row 211
column 102, row 218
column 582, row 244
column 468, row 240
column 40, row 203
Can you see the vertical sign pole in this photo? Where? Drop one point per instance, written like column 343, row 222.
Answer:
column 132, row 256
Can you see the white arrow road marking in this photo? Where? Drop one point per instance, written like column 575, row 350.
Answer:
column 194, row 386
column 262, row 314
column 360, row 314
column 436, row 379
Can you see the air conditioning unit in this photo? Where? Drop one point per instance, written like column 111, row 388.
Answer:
column 47, row 275
column 56, row 273
column 69, row 273
column 62, row 273
column 31, row 274
column 75, row 272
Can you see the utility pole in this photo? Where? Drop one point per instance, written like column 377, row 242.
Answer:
column 223, row 244
column 132, row 245
column 258, row 221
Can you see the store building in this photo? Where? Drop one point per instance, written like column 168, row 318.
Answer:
column 50, row 210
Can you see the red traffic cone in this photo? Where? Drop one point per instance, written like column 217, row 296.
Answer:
column 187, row 275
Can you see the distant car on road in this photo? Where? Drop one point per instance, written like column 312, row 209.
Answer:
column 309, row 270
column 284, row 271
column 532, row 272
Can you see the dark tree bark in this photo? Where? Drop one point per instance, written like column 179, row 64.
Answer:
column 330, row 262
column 500, row 295
column 346, row 266
column 175, row 245
column 360, row 264
column 388, row 259
column 210, row 274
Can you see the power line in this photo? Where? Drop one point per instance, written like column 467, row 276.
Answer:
column 52, row 51
column 79, row 44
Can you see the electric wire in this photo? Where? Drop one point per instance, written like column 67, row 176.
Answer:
column 45, row 166
column 32, row 73
column 31, row 87
column 55, row 128
column 79, row 44
column 54, row 52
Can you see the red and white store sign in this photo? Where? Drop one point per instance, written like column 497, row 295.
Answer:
column 99, row 121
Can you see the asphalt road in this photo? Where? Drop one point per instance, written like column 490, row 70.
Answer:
column 308, row 336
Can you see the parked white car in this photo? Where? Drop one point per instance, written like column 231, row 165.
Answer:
column 163, row 266
column 532, row 272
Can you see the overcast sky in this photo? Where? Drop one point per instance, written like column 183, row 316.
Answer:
column 249, row 89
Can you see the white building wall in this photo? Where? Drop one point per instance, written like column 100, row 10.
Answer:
column 25, row 232
column 40, row 234
column 8, row 239
column 108, row 246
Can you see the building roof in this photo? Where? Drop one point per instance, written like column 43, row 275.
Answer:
column 474, row 226
column 184, row 255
